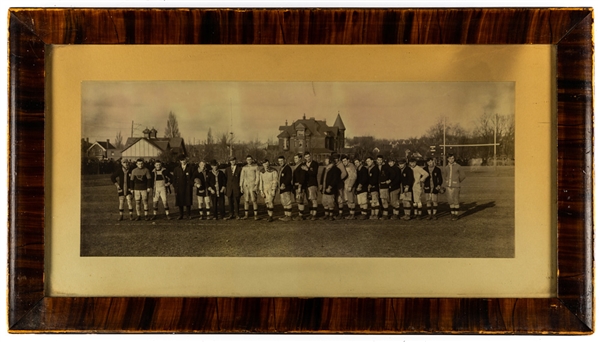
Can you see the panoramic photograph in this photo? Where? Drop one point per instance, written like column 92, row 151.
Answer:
column 298, row 169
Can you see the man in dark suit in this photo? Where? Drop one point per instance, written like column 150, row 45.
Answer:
column 233, row 173
column 183, row 183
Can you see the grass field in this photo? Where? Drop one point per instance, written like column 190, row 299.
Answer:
column 485, row 229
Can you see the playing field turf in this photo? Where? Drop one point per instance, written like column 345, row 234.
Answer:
column 485, row 229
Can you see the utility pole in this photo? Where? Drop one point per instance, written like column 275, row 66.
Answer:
column 495, row 133
column 230, row 128
column 444, row 151
column 134, row 127
column 231, row 145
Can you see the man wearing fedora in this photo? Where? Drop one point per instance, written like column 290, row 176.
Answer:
column 183, row 183
column 233, row 174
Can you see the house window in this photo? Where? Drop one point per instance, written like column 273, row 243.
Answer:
column 286, row 144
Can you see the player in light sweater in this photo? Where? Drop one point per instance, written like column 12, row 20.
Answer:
column 249, row 179
column 269, row 178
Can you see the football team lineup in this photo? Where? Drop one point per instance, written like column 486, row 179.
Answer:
column 486, row 227
column 378, row 188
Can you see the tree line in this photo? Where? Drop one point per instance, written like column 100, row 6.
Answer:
column 429, row 144
column 220, row 145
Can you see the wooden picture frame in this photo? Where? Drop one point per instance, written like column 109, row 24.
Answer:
column 569, row 30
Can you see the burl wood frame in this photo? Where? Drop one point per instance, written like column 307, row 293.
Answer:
column 571, row 311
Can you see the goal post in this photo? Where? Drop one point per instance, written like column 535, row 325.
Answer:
column 495, row 143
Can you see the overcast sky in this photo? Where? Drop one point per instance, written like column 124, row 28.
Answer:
column 391, row 110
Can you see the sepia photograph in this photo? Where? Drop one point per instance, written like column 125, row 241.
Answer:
column 298, row 169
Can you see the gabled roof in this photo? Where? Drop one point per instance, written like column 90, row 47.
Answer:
column 105, row 145
column 175, row 142
column 316, row 128
column 162, row 144
column 338, row 122
column 131, row 141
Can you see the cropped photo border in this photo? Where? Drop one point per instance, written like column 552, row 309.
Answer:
column 567, row 29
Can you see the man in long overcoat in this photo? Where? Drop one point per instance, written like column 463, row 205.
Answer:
column 183, row 183
column 234, row 194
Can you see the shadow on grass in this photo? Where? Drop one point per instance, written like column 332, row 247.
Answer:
column 473, row 207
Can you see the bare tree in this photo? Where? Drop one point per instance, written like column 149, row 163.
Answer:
column 209, row 145
column 172, row 129
column 223, row 146
column 505, row 134
column 119, row 140
column 363, row 146
column 436, row 132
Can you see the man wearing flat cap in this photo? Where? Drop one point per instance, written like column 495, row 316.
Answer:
column 215, row 182
column 407, row 179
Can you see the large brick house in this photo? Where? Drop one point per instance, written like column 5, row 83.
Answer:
column 314, row 136
column 151, row 147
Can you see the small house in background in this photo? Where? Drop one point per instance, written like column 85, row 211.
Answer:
column 314, row 136
column 103, row 150
column 151, row 147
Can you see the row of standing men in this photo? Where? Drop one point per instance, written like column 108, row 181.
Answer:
column 367, row 189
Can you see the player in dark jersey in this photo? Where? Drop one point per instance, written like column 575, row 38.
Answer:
column 299, row 180
column 312, row 171
column 362, row 189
